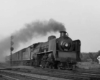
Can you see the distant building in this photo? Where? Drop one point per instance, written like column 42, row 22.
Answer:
column 98, row 59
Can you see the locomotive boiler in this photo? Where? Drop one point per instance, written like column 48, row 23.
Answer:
column 62, row 52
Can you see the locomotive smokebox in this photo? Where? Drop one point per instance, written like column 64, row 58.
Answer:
column 63, row 34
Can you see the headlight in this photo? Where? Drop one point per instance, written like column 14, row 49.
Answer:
column 66, row 44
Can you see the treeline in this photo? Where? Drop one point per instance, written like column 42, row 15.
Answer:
column 91, row 56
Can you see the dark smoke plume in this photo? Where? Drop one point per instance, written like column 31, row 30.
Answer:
column 30, row 31
column 38, row 28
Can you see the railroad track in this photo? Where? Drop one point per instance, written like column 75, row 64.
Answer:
column 14, row 76
column 8, row 77
column 27, row 76
column 59, row 73
column 74, row 75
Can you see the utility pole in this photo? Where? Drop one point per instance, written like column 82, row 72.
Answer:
column 11, row 49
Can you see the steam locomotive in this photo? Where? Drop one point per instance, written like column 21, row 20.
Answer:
column 59, row 53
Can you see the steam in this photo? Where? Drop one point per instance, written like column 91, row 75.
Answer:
column 30, row 31
column 4, row 48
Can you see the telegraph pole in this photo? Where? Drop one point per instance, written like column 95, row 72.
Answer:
column 11, row 49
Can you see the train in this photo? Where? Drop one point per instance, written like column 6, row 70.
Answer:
column 57, row 53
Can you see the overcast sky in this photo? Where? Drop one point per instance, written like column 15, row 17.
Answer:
column 80, row 17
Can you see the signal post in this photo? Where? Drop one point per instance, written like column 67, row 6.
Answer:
column 11, row 49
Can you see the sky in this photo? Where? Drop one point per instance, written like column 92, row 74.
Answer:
column 80, row 17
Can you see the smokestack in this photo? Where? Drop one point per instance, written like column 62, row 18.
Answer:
column 63, row 34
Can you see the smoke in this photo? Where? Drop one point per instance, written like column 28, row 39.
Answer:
column 30, row 31
column 38, row 28
column 4, row 48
